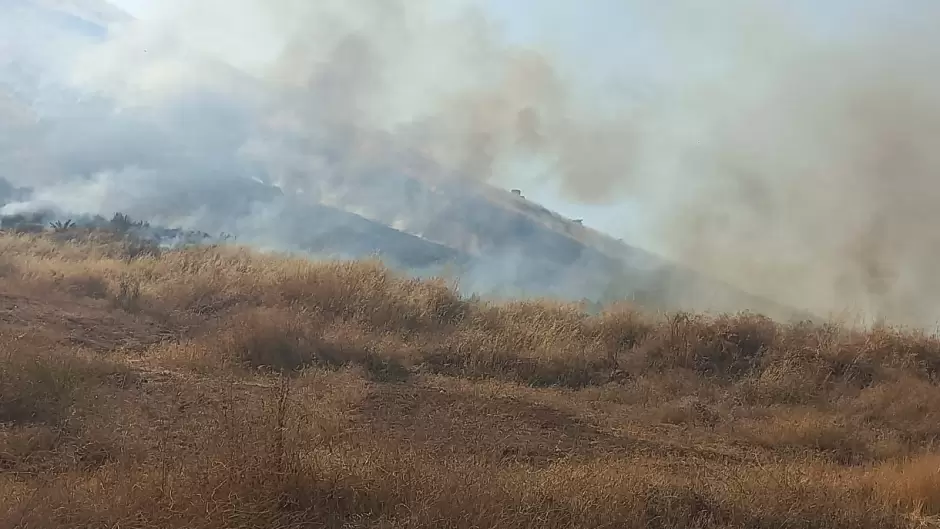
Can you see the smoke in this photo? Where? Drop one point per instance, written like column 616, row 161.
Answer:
column 812, row 177
column 785, row 147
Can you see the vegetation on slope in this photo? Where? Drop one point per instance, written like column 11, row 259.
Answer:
column 213, row 387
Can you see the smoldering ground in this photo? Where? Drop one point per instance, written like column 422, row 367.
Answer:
column 784, row 147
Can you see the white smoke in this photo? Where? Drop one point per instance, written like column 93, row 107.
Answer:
column 786, row 147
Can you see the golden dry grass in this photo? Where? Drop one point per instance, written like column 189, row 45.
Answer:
column 216, row 387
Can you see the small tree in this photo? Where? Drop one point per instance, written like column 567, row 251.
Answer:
column 121, row 222
column 60, row 227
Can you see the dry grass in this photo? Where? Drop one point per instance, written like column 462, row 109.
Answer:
column 215, row 387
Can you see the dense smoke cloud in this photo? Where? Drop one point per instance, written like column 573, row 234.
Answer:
column 784, row 147
column 814, row 174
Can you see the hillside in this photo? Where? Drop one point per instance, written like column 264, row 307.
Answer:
column 214, row 387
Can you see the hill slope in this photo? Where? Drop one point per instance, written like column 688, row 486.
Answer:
column 130, row 396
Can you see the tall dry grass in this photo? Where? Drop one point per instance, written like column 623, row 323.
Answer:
column 290, row 393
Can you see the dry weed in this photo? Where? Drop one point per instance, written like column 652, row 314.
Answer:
column 288, row 393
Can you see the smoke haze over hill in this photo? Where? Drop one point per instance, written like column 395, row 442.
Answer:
column 784, row 148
